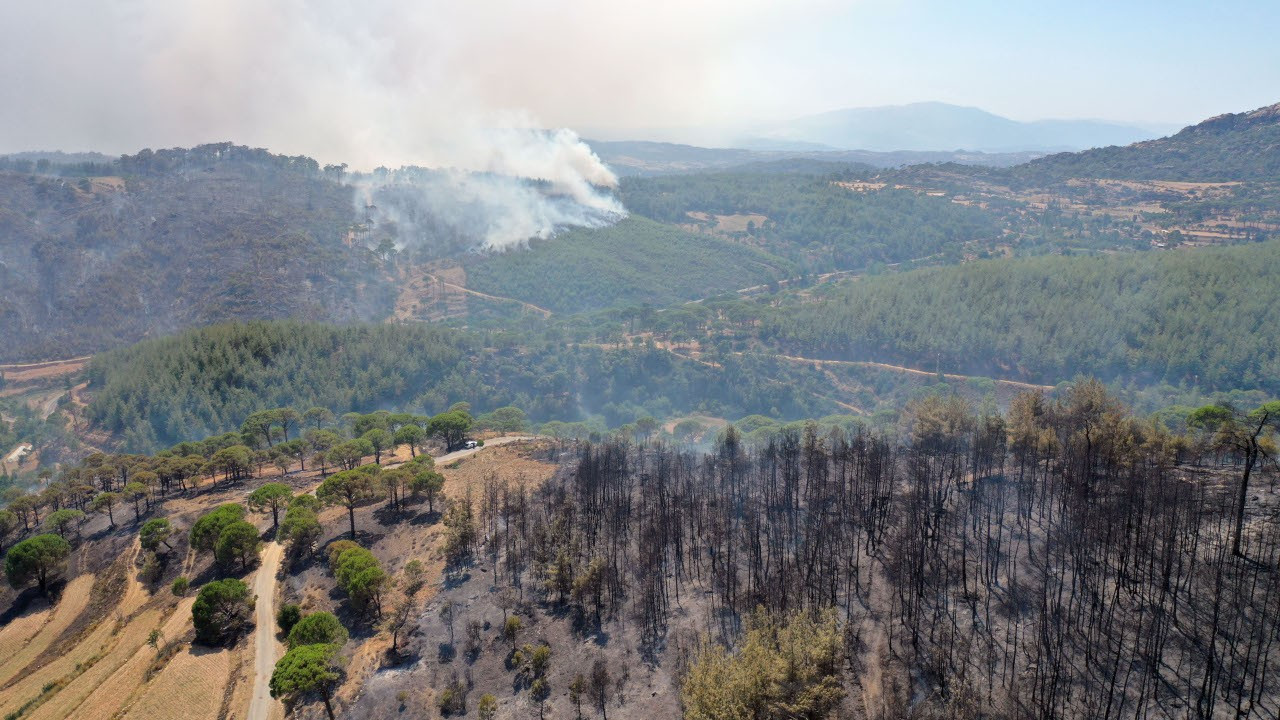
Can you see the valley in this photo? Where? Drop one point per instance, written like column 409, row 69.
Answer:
column 787, row 437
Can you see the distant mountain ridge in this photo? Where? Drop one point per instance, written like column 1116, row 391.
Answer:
column 643, row 157
column 935, row 126
column 1230, row 147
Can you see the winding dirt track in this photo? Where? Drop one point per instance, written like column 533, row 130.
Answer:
column 266, row 647
column 526, row 305
column 910, row 371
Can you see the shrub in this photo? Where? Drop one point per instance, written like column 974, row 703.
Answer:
column 301, row 528
column 287, row 616
column 790, row 666
column 511, row 630
column 335, row 550
column 150, row 568
column 361, row 578
column 453, row 699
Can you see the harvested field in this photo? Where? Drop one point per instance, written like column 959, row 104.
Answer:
column 736, row 223
column 129, row 631
column 513, row 463
column 31, row 372
column 109, row 698
column 190, row 687
column 61, row 670
column 129, row 645
column 16, row 634
column 75, row 598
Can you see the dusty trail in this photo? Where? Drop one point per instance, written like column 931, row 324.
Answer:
column 266, row 648
column 45, row 364
column 526, row 305
column 910, row 371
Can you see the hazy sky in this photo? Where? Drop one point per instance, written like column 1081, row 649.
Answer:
column 389, row 81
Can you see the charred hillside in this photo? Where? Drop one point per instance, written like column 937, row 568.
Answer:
column 100, row 254
column 1065, row 560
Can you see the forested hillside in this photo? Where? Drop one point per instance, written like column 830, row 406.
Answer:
column 96, row 253
column 1195, row 318
column 815, row 222
column 1046, row 561
column 1235, row 146
column 206, row 382
column 156, row 242
column 634, row 262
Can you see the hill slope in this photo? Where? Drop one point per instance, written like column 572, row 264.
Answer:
column 205, row 382
column 179, row 238
column 939, row 126
column 635, row 262
column 814, row 221
column 1235, row 146
column 1198, row 318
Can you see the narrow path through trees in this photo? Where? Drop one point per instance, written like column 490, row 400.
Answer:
column 266, row 647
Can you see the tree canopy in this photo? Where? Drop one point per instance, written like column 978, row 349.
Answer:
column 270, row 497
column 307, row 670
column 221, row 609
column 318, row 628
column 205, row 531
column 40, row 558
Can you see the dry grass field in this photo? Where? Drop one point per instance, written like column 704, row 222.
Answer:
column 190, row 687
column 75, row 598
column 15, row 635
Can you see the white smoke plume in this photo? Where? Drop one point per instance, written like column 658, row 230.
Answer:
column 446, row 84
column 391, row 83
column 528, row 185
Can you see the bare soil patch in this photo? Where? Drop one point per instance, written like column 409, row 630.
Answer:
column 30, row 372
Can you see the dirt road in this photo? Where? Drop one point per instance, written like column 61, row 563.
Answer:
column 526, row 305
column 266, row 648
column 459, row 454
column 910, row 371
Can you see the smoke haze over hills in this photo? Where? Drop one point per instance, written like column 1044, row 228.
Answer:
column 390, row 82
